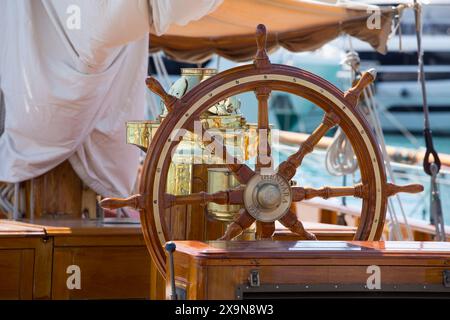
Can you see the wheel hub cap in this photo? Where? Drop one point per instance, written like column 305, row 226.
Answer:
column 267, row 197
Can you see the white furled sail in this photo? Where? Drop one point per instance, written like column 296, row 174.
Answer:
column 72, row 72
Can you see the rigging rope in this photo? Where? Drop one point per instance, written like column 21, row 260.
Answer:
column 16, row 212
column 431, row 161
column 426, row 112
column 2, row 113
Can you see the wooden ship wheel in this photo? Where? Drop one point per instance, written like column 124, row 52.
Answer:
column 265, row 198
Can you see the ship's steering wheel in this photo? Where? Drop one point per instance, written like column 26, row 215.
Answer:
column 265, row 197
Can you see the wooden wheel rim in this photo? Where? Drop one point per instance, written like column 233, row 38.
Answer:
column 247, row 78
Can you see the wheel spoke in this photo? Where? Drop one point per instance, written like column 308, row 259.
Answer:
column 358, row 191
column 136, row 201
column 352, row 95
column 232, row 196
column 156, row 87
column 241, row 171
column 288, row 168
column 242, row 222
column 264, row 158
column 393, row 189
column 291, row 222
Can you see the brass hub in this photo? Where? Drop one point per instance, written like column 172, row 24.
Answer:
column 267, row 198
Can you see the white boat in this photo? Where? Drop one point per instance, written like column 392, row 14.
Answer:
column 397, row 88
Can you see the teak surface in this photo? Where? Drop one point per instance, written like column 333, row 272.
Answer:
column 216, row 269
column 113, row 259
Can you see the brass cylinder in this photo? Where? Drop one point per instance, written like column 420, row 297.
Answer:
column 220, row 179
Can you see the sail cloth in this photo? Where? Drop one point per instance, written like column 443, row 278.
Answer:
column 293, row 24
column 72, row 72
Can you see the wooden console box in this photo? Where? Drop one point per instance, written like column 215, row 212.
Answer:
column 277, row 269
column 113, row 260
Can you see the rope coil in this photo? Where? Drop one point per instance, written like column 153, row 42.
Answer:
column 340, row 159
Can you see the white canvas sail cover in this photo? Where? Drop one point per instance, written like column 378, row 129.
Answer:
column 296, row 25
column 71, row 74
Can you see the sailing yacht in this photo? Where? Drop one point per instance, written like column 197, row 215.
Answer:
column 397, row 88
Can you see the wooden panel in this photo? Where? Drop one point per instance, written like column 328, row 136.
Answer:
column 106, row 272
column 26, row 274
column 43, row 263
column 16, row 274
column 196, row 224
column 113, row 259
column 223, row 281
column 215, row 270
column 422, row 236
column 59, row 192
column 178, row 217
column 92, row 241
column 158, row 284
column 328, row 216
column 36, row 259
